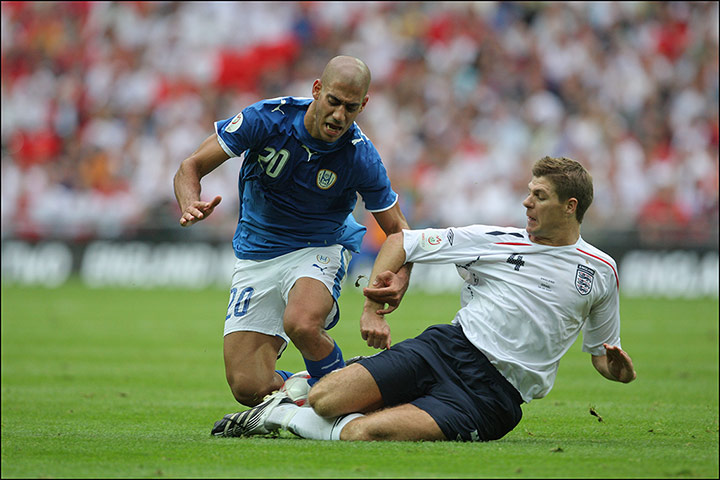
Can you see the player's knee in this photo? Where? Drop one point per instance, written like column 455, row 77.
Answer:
column 302, row 329
column 320, row 400
column 247, row 390
column 324, row 398
column 362, row 429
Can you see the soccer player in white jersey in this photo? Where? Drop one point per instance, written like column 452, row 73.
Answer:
column 528, row 294
column 304, row 162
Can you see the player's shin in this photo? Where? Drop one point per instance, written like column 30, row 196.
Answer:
column 320, row 368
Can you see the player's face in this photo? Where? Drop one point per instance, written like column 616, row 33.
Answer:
column 547, row 216
column 336, row 107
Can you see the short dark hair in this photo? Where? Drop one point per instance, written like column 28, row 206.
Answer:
column 570, row 179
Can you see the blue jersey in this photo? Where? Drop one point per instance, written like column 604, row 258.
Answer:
column 297, row 191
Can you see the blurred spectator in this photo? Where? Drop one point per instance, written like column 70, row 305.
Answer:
column 102, row 100
column 662, row 220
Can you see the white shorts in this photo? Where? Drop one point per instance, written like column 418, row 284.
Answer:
column 260, row 288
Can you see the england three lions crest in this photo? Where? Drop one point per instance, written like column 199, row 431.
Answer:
column 584, row 279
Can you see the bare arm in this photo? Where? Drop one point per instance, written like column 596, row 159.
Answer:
column 385, row 288
column 615, row 365
column 186, row 182
column 391, row 258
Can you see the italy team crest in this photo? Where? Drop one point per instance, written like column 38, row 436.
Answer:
column 584, row 279
column 326, row 178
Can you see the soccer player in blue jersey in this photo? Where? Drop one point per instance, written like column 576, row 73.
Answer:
column 304, row 162
column 528, row 293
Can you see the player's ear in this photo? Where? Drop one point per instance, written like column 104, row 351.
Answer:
column 571, row 206
column 364, row 102
column 317, row 86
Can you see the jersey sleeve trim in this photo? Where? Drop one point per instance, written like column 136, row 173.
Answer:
column 617, row 280
column 386, row 208
column 224, row 146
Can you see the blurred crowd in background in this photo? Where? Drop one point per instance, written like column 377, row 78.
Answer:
column 101, row 101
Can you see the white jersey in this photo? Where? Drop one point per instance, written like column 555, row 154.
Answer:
column 523, row 304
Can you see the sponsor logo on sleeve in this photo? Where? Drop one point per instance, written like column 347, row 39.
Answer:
column 235, row 124
column 430, row 241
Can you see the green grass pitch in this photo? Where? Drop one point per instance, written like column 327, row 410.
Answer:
column 113, row 383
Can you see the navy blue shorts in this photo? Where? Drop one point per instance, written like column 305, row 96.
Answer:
column 442, row 373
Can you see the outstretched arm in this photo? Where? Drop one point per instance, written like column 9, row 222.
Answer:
column 186, row 182
column 615, row 364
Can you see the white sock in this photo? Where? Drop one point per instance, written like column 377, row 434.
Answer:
column 281, row 415
column 304, row 422
column 340, row 423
